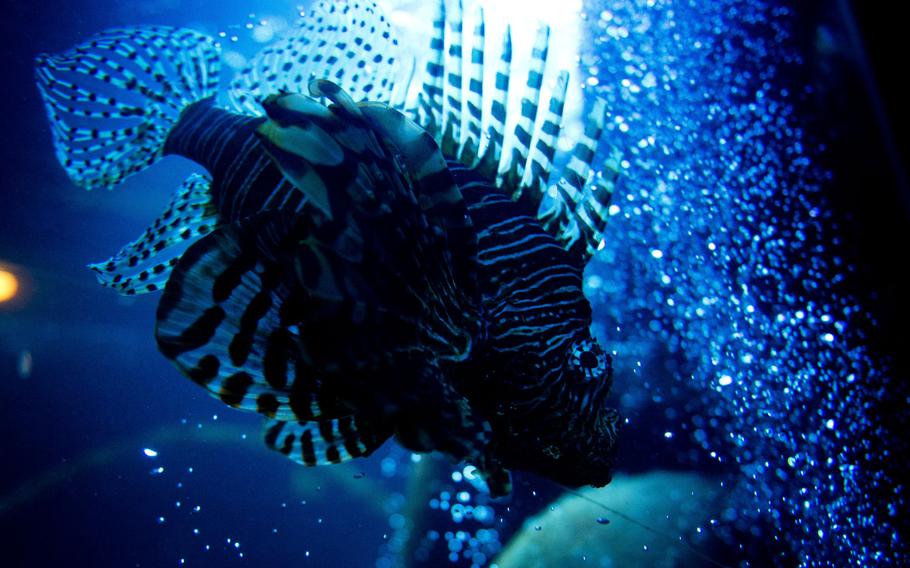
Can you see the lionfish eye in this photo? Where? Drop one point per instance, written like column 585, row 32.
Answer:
column 586, row 356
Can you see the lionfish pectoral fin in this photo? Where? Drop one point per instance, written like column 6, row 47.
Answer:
column 280, row 316
column 321, row 442
column 239, row 308
column 330, row 153
column 438, row 196
column 144, row 265
column 298, row 143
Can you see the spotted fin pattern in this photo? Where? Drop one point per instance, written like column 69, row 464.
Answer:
column 325, row 441
column 523, row 163
column 112, row 100
column 349, row 42
column 144, row 265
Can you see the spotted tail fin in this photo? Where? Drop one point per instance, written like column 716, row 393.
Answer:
column 113, row 99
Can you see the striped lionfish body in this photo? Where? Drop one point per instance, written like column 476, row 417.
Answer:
column 355, row 271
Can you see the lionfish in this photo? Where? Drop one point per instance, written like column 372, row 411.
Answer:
column 354, row 267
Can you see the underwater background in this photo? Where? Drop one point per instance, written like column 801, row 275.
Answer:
column 750, row 285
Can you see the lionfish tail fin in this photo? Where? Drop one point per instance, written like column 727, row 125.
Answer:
column 144, row 265
column 112, row 100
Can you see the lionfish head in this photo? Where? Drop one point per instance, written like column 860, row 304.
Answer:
column 571, row 438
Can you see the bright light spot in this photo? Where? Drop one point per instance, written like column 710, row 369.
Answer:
column 263, row 33
column 829, row 337
column 725, row 380
column 657, row 253
column 150, row 452
column 234, row 59
column 829, row 424
column 9, row 285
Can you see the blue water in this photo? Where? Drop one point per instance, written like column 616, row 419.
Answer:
column 747, row 285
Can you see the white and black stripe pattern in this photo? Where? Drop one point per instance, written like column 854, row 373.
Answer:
column 513, row 169
column 491, row 156
column 523, row 163
column 533, row 300
column 225, row 320
column 470, row 149
column 452, row 86
column 112, row 100
column 325, row 441
column 430, row 99
column 540, row 163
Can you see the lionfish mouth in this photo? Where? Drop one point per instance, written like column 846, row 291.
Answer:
column 593, row 396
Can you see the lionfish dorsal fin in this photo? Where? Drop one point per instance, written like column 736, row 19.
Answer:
column 570, row 192
column 349, row 43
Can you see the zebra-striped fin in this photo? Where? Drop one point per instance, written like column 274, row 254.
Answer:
column 348, row 42
column 112, row 100
column 324, row 441
column 511, row 174
column 243, row 315
column 540, row 162
column 593, row 211
column 578, row 227
column 522, row 162
column 452, row 85
column 429, row 101
column 470, row 150
column 488, row 166
column 144, row 265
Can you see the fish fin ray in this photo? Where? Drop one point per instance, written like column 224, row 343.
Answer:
column 321, row 442
column 349, row 43
column 144, row 265
column 243, row 309
column 112, row 100
column 574, row 210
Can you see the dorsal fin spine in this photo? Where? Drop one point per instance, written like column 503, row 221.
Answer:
column 452, row 84
column 470, row 150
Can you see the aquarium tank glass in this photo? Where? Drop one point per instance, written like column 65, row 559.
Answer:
column 476, row 283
